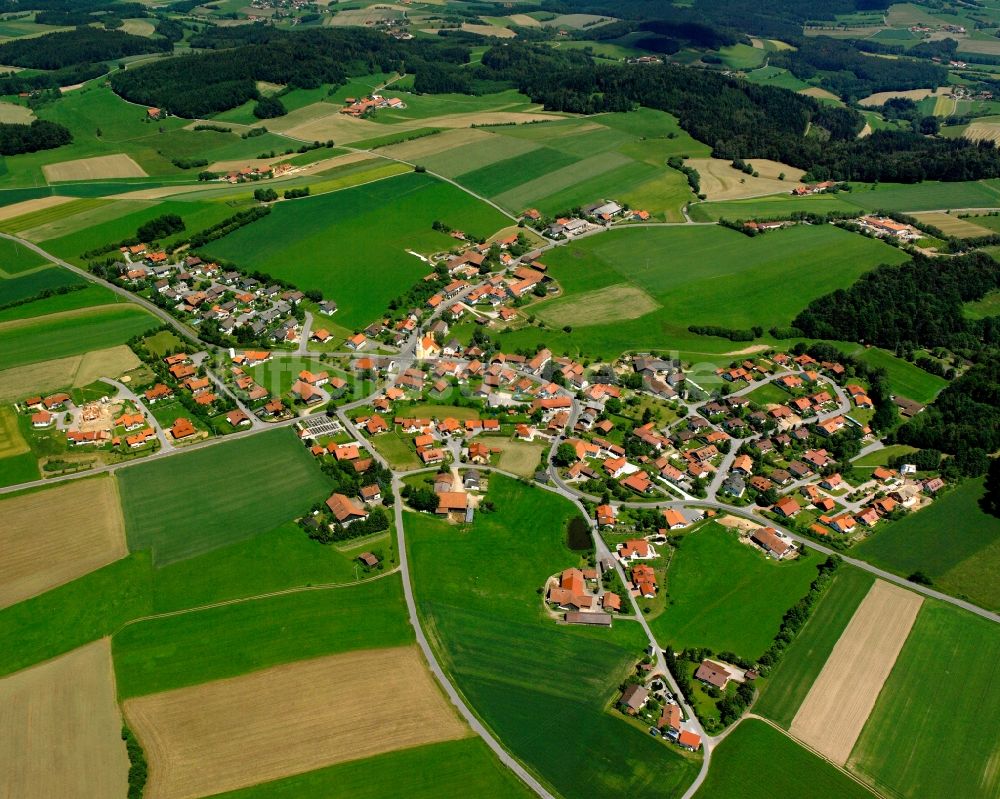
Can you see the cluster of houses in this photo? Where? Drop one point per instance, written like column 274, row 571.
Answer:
column 104, row 422
column 365, row 106
column 883, row 227
column 654, row 702
column 199, row 292
column 813, row 188
column 577, row 592
column 634, row 555
column 253, row 173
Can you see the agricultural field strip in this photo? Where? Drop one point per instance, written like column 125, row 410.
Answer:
column 244, row 730
column 837, row 706
column 60, row 728
column 38, row 554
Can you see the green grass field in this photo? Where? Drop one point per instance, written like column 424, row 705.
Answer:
column 757, row 761
column 44, row 338
column 966, row 567
column 697, row 275
column 528, row 678
column 331, row 242
column 929, row 732
column 84, row 298
column 16, row 469
column 190, row 504
column 164, row 653
column 790, row 681
column 905, row 378
column 31, row 284
column 450, row 770
column 16, row 258
column 882, row 456
column 397, row 449
column 769, row 394
column 726, row 596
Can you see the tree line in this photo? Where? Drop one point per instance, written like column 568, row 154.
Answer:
column 85, row 45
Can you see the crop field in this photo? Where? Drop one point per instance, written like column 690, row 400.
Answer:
column 14, row 114
column 15, row 258
column 60, row 732
column 228, row 640
column 447, row 770
column 780, row 767
column 791, row 679
column 188, row 504
column 727, row 596
column 250, row 729
column 89, row 217
column 11, row 441
column 457, row 151
column 528, row 678
column 44, row 211
column 25, row 207
column 603, row 306
column 952, row 225
column 967, row 567
column 720, row 181
column 838, row 704
column 38, row 553
column 103, row 166
column 327, row 242
column 928, row 734
column 25, row 286
column 698, row 275
column 71, row 333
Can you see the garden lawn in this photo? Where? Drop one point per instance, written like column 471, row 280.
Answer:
column 964, row 563
column 46, row 338
column 226, row 641
column 881, row 457
column 757, row 761
column 449, row 770
column 790, row 681
column 769, row 394
column 727, row 596
column 192, row 503
column 528, row 678
column 397, row 449
column 335, row 242
column 929, row 732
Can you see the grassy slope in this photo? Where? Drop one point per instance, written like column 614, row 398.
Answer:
column 84, row 298
column 953, row 541
column 529, row 679
column 726, row 596
column 790, row 681
column 25, row 286
column 332, row 242
column 190, row 503
column 700, row 275
column 45, row 339
column 450, row 770
column 929, row 732
column 161, row 654
column 15, row 257
column 759, row 762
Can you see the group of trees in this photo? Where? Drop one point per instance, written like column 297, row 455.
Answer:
column 160, row 227
column 919, row 301
column 39, row 135
column 964, row 420
column 84, row 45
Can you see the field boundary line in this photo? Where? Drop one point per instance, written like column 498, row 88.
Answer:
column 870, row 788
column 240, row 600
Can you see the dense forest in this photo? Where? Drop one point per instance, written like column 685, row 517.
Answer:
column 39, row 135
column 963, row 421
column 918, row 302
column 205, row 83
column 853, row 75
column 83, row 45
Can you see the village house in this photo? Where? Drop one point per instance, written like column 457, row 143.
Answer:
column 775, row 545
column 345, row 511
column 714, row 674
column 633, row 699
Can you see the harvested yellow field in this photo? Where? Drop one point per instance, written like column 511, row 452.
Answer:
column 53, row 536
column 236, row 165
column 432, row 145
column 879, row 98
column 524, row 20
column 76, row 370
column 952, row 225
column 14, row 114
column 818, row 93
column 288, row 719
column 980, row 131
column 838, row 704
column 30, row 206
column 489, row 30
column 489, row 118
column 101, row 166
column 599, row 307
column 11, row 441
column 60, row 731
column 334, row 125
column 720, row 181
column 138, row 27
